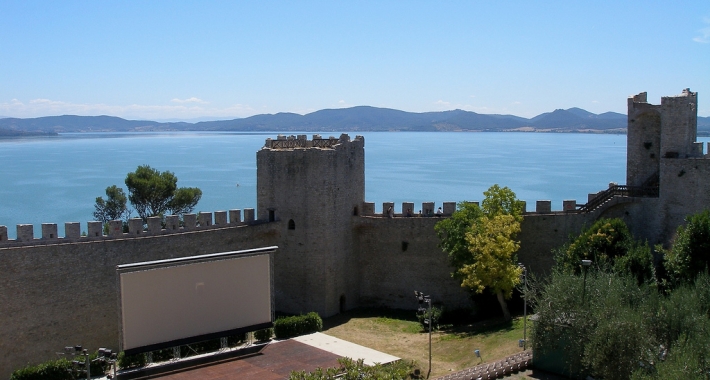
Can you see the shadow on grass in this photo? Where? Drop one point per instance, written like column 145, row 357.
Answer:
column 342, row 318
column 464, row 330
column 491, row 326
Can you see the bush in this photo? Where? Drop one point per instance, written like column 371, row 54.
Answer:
column 602, row 243
column 288, row 327
column 357, row 370
column 614, row 328
column 263, row 335
column 435, row 316
column 689, row 255
column 57, row 369
column 51, row 370
column 130, row 361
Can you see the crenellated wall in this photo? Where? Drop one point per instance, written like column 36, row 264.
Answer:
column 171, row 224
column 335, row 252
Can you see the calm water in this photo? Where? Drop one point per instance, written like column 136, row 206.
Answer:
column 57, row 179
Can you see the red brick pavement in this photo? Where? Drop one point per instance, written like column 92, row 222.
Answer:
column 275, row 362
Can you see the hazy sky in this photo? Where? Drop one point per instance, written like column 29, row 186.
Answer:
column 185, row 60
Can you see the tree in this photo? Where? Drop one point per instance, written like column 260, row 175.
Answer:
column 113, row 207
column 452, row 234
column 690, row 253
column 492, row 244
column 481, row 245
column 155, row 193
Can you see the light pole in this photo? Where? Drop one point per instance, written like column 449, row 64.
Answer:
column 422, row 299
column 525, row 306
column 585, row 264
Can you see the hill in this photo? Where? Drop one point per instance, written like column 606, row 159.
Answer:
column 361, row 118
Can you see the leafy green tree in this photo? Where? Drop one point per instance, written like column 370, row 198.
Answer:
column 604, row 241
column 481, row 245
column 690, row 253
column 502, row 201
column 155, row 193
column 452, row 234
column 113, row 207
column 493, row 246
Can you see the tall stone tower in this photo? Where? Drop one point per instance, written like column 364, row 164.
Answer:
column 657, row 132
column 314, row 189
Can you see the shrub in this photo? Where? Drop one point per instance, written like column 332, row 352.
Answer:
column 56, row 369
column 602, row 243
column 130, row 361
column 263, row 335
column 288, row 327
column 357, row 370
column 435, row 316
column 51, row 370
column 689, row 255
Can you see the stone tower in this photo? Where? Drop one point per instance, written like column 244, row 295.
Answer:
column 656, row 132
column 314, row 189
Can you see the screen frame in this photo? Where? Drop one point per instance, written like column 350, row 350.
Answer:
column 169, row 263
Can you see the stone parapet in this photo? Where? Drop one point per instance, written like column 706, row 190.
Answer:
column 136, row 228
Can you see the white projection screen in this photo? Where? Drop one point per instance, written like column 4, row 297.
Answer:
column 172, row 302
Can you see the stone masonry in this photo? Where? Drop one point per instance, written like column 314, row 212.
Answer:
column 335, row 253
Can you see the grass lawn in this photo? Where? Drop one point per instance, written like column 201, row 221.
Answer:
column 397, row 332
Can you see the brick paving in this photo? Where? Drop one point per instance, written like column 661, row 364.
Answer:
column 275, row 362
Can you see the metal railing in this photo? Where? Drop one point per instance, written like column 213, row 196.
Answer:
column 619, row 190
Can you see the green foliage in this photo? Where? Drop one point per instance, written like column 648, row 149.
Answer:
column 288, row 327
column 637, row 262
column 51, row 370
column 452, row 234
column 155, row 193
column 502, row 201
column 60, row 369
column 690, row 254
column 622, row 329
column 113, row 207
column 481, row 243
column 608, row 243
column 130, row 361
column 492, row 244
column 434, row 315
column 263, row 335
column 357, row 370
column 604, row 241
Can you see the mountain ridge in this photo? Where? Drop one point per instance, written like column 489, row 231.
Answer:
column 354, row 119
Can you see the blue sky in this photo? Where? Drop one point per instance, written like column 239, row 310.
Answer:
column 224, row 59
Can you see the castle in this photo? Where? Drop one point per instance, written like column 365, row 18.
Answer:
column 334, row 252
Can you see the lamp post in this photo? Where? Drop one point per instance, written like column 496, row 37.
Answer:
column 525, row 305
column 422, row 299
column 585, row 264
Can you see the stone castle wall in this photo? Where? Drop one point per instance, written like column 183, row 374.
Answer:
column 58, row 294
column 335, row 252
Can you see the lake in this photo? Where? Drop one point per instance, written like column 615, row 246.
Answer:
column 57, row 179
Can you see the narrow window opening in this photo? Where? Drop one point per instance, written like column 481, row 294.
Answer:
column 291, row 224
column 51, row 236
column 356, row 211
column 342, row 303
column 272, row 216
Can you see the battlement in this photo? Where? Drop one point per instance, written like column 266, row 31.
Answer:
column 302, row 142
column 156, row 226
column 429, row 209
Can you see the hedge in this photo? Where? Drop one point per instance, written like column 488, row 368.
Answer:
column 288, row 327
column 263, row 335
